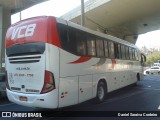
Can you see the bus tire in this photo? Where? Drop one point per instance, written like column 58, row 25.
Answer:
column 101, row 92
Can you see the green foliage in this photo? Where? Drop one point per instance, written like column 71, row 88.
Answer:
column 152, row 58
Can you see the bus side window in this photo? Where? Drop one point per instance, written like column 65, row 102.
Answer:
column 111, row 49
column 116, row 50
column 71, row 41
column 133, row 51
column 119, row 49
column 106, row 51
column 91, row 47
column 130, row 53
column 99, row 47
column 81, row 43
column 123, row 52
column 136, row 55
column 127, row 52
column 62, row 31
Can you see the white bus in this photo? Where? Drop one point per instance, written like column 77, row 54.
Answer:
column 53, row 63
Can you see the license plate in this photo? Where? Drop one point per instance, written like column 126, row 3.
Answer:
column 22, row 98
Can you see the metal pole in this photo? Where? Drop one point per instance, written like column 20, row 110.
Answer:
column 82, row 13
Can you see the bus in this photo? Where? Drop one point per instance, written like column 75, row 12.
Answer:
column 53, row 63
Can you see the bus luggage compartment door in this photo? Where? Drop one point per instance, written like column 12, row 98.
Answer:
column 68, row 91
column 85, row 88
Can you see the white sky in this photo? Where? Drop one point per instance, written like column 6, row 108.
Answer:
column 150, row 39
column 52, row 7
column 59, row 7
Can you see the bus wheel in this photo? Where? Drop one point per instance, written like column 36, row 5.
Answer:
column 101, row 92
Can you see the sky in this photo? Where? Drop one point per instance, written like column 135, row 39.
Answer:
column 58, row 8
column 55, row 8
column 149, row 40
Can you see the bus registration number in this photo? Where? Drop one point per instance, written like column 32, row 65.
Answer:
column 22, row 98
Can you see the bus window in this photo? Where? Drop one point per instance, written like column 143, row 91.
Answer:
column 111, row 49
column 81, row 43
column 136, row 55
column 99, row 46
column 119, row 49
column 67, row 38
column 62, row 30
column 130, row 54
column 71, row 41
column 91, row 47
column 116, row 50
column 106, row 48
column 127, row 53
column 123, row 52
column 133, row 51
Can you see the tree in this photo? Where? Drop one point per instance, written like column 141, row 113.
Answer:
column 152, row 58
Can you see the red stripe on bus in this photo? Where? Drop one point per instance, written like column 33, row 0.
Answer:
column 80, row 60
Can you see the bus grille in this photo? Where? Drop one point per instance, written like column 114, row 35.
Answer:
column 24, row 59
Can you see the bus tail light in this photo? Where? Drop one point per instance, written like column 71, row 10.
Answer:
column 7, row 85
column 49, row 83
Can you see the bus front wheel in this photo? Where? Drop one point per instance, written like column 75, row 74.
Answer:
column 101, row 92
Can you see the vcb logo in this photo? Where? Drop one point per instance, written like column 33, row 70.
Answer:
column 23, row 31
